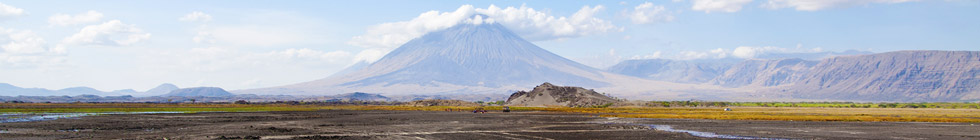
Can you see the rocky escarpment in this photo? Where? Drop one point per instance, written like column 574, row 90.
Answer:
column 764, row 73
column 550, row 95
column 681, row 71
column 894, row 76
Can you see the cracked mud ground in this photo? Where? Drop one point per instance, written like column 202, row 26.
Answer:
column 346, row 124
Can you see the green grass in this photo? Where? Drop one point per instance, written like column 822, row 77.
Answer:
column 946, row 105
column 811, row 111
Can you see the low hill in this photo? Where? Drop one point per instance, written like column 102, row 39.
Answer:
column 550, row 95
column 199, row 91
column 161, row 89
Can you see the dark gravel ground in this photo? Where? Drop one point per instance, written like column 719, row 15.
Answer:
column 345, row 124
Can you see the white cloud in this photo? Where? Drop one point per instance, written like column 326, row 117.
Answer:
column 81, row 18
column 649, row 13
column 719, row 53
column 814, row 5
column 527, row 22
column 370, row 55
column 196, row 16
column 204, row 37
column 396, row 33
column 210, row 59
column 751, row 52
column 24, row 48
column 21, row 42
column 262, row 29
column 654, row 55
column 688, row 55
column 204, row 34
column 10, row 11
column 223, row 66
column 310, row 54
column 710, row 54
column 111, row 33
column 240, row 35
column 718, row 5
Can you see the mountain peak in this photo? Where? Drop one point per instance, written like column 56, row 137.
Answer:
column 459, row 59
column 546, row 84
column 475, row 55
column 199, row 91
column 162, row 89
column 2, row 85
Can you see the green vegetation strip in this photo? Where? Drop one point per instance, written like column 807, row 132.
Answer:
column 701, row 112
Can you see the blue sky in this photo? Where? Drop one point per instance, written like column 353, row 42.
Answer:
column 113, row 45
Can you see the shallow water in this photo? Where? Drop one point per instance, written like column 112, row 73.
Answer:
column 28, row 117
column 668, row 128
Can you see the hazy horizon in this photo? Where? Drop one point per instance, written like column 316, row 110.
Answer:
column 254, row 44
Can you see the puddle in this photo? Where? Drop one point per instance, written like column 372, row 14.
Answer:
column 28, row 117
column 668, row 128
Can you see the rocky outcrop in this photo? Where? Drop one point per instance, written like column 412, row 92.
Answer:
column 439, row 102
column 764, row 73
column 894, row 76
column 199, row 91
column 550, row 95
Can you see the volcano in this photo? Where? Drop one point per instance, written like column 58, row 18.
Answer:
column 466, row 58
column 470, row 55
column 485, row 60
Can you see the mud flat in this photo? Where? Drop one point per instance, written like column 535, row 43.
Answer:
column 346, row 124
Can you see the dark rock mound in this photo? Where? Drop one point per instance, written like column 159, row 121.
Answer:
column 550, row 95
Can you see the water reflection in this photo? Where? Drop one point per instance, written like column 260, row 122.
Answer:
column 27, row 117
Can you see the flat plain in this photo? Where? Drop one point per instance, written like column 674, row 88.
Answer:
column 280, row 121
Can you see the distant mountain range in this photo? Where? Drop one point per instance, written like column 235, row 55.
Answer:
column 11, row 90
column 892, row 76
column 764, row 73
column 682, row 71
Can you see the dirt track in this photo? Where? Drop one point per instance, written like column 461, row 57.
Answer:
column 338, row 124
